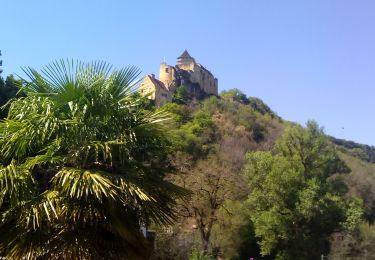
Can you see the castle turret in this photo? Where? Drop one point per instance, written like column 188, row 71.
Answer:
column 185, row 61
column 167, row 74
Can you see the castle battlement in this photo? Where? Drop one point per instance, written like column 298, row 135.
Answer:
column 187, row 72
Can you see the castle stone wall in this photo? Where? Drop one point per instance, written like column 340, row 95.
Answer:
column 167, row 74
column 186, row 70
column 151, row 88
column 147, row 88
column 205, row 79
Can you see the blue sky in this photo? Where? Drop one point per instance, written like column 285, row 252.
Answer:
column 311, row 59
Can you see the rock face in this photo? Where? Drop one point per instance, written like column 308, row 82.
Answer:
column 199, row 81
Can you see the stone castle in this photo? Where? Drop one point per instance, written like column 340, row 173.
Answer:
column 198, row 81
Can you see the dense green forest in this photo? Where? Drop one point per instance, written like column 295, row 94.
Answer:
column 92, row 170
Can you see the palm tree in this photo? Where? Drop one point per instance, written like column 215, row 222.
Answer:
column 83, row 166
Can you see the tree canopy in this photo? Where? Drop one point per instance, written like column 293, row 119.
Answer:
column 8, row 91
column 296, row 202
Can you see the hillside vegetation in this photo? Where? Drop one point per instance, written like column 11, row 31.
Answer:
column 361, row 151
column 361, row 183
column 216, row 141
column 90, row 169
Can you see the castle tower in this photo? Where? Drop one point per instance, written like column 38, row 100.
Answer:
column 185, row 61
column 167, row 74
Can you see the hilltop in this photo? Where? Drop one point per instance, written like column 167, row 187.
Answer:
column 361, row 151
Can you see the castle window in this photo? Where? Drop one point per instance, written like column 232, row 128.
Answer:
column 164, row 95
column 167, row 70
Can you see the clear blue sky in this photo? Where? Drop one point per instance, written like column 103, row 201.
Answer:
column 311, row 59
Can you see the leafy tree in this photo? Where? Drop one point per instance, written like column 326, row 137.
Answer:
column 258, row 105
column 234, row 95
column 1, row 64
column 211, row 139
column 175, row 112
column 212, row 182
column 254, row 102
column 196, row 136
column 2, row 85
column 83, row 166
column 180, row 95
column 295, row 201
column 8, row 90
column 197, row 254
column 234, row 234
column 239, row 112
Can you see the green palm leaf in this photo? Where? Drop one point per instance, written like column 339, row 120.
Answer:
column 84, row 165
column 16, row 184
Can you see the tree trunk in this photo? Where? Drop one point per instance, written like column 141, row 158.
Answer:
column 205, row 243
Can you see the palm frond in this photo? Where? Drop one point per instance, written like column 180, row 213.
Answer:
column 44, row 207
column 85, row 184
column 83, row 159
column 143, row 188
column 31, row 123
column 122, row 83
column 37, row 84
column 16, row 184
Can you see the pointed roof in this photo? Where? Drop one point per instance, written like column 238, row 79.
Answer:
column 157, row 83
column 185, row 54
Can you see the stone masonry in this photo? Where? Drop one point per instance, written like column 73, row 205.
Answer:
column 198, row 81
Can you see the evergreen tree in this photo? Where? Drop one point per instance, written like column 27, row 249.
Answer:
column 1, row 64
column 8, row 91
column 1, row 71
